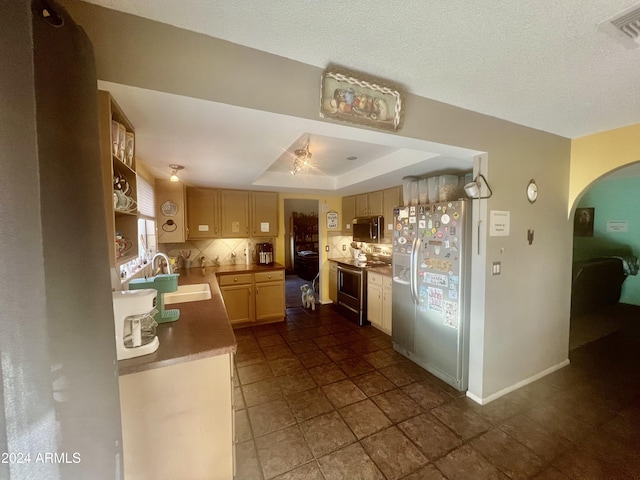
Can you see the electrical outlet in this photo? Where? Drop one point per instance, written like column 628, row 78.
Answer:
column 344, row 248
column 326, row 248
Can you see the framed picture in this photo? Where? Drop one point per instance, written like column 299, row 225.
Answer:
column 583, row 222
column 362, row 100
column 332, row 220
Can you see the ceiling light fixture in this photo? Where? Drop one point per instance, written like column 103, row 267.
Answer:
column 174, row 174
column 303, row 158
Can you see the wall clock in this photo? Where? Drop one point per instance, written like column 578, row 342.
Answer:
column 169, row 208
column 532, row 191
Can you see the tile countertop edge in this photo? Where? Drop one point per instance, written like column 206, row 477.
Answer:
column 203, row 329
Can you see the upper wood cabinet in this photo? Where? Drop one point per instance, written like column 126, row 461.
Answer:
column 234, row 206
column 362, row 205
column 375, row 203
column 348, row 214
column 380, row 202
column 203, row 213
column 214, row 213
column 171, row 216
column 119, row 180
column 391, row 200
column 368, row 204
column 264, row 214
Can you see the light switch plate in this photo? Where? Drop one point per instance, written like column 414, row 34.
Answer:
column 496, row 268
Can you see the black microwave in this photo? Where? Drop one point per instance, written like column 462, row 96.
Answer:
column 368, row 229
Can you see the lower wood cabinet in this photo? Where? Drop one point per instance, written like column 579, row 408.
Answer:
column 253, row 298
column 270, row 300
column 379, row 301
column 177, row 421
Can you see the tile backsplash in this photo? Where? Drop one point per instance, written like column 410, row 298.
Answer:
column 215, row 251
column 337, row 242
column 219, row 251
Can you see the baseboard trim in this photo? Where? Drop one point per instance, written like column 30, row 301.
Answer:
column 516, row 386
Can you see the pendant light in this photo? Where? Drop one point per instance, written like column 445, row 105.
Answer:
column 174, row 174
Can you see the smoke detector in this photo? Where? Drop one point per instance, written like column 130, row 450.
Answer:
column 624, row 27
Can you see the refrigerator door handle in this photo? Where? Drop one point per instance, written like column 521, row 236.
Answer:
column 414, row 269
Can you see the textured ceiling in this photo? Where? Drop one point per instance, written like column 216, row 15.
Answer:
column 543, row 64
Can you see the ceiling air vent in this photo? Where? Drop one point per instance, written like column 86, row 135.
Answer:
column 625, row 27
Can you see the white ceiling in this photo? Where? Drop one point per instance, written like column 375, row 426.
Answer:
column 544, row 64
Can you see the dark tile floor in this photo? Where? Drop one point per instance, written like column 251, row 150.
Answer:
column 319, row 398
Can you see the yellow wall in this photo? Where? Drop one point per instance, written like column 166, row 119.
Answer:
column 334, row 203
column 594, row 155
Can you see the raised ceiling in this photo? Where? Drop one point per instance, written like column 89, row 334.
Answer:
column 545, row 64
column 228, row 146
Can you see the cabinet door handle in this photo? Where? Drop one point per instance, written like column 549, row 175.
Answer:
column 257, row 291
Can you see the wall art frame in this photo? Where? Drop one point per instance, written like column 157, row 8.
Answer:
column 583, row 222
column 360, row 99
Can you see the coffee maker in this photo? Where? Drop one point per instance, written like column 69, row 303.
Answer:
column 135, row 327
column 264, row 253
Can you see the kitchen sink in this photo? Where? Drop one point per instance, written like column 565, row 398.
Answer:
column 188, row 293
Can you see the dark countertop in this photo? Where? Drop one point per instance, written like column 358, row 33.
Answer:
column 352, row 262
column 203, row 329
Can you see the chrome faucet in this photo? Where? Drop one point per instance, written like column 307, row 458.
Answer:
column 165, row 258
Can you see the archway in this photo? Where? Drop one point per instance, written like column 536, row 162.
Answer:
column 606, row 248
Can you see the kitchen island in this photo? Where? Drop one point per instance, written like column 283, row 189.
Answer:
column 177, row 403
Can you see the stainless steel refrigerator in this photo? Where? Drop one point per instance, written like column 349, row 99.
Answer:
column 431, row 260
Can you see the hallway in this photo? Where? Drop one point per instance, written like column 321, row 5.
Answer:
column 319, row 398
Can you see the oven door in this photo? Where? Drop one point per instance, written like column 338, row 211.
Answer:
column 352, row 292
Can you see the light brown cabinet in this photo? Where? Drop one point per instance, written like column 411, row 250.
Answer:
column 391, row 199
column 203, row 213
column 118, row 175
column 369, row 204
column 253, row 298
column 170, row 211
column 264, row 214
column 234, row 206
column 380, row 202
column 376, row 202
column 362, row 205
column 239, row 303
column 237, row 214
column 270, row 300
column 379, row 300
column 348, row 214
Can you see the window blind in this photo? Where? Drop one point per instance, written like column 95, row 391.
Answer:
column 146, row 199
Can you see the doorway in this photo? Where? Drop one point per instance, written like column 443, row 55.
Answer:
column 302, row 248
column 605, row 278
